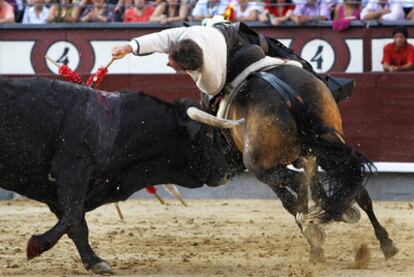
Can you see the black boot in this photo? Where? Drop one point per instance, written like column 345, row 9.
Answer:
column 341, row 88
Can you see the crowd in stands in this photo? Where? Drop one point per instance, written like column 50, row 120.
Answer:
column 274, row 12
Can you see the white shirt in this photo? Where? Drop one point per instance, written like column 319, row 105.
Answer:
column 251, row 6
column 31, row 18
column 397, row 12
column 211, row 78
column 202, row 8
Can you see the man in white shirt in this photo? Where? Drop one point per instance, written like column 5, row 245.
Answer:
column 210, row 77
column 383, row 10
column 208, row 8
column 212, row 56
column 37, row 14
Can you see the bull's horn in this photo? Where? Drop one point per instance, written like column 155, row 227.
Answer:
column 206, row 118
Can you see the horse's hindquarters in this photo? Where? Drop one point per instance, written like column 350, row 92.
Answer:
column 269, row 136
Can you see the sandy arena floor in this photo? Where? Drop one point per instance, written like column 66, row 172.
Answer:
column 209, row 238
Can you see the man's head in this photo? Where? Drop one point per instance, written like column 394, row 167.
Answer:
column 38, row 4
column 400, row 35
column 186, row 55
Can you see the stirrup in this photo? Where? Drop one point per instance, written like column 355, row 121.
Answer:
column 341, row 88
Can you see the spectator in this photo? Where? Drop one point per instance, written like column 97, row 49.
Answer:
column 18, row 8
column 170, row 11
column 407, row 6
column 344, row 13
column 208, row 8
column 80, row 6
column 61, row 12
column 119, row 7
column 399, row 54
column 36, row 14
column 6, row 12
column 139, row 12
column 410, row 15
column 349, row 9
column 98, row 12
column 312, row 10
column 244, row 10
column 382, row 9
column 277, row 11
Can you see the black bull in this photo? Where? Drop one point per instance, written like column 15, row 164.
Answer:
column 76, row 149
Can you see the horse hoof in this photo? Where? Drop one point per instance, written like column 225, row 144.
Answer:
column 314, row 234
column 352, row 215
column 101, row 268
column 317, row 255
column 34, row 246
column 389, row 250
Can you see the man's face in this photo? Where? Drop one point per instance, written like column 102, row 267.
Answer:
column 174, row 65
column 399, row 40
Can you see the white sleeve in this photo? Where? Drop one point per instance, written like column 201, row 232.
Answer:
column 397, row 13
column 159, row 42
column 26, row 16
column 200, row 9
column 369, row 8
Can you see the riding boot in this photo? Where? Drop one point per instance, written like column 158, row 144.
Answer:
column 341, row 88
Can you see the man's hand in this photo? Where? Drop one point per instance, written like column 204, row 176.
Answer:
column 118, row 52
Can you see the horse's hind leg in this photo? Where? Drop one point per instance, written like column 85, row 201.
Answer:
column 72, row 177
column 387, row 245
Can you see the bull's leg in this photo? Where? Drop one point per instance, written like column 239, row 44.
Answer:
column 387, row 245
column 90, row 260
column 72, row 178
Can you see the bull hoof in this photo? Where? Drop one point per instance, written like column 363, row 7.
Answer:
column 314, row 234
column 101, row 268
column 317, row 255
column 351, row 216
column 34, row 247
column 389, row 249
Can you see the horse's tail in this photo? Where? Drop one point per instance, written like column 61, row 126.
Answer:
column 345, row 168
column 346, row 172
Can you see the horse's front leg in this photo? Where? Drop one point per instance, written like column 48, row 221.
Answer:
column 286, row 184
column 387, row 245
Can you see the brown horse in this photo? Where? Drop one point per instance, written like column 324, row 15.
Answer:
column 274, row 127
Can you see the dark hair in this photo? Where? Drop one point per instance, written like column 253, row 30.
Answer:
column 187, row 54
column 400, row 29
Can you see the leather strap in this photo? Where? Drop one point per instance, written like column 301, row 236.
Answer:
column 284, row 90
